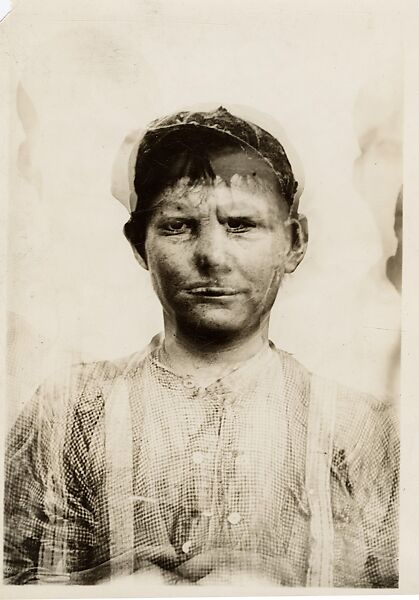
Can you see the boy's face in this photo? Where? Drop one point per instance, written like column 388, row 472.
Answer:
column 217, row 251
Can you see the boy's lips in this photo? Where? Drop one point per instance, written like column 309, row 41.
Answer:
column 214, row 291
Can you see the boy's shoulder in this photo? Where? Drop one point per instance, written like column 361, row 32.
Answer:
column 360, row 419
column 80, row 383
column 348, row 400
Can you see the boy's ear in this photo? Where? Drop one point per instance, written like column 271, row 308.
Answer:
column 129, row 232
column 299, row 229
column 139, row 258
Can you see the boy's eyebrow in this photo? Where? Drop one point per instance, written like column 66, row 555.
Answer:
column 230, row 205
column 175, row 208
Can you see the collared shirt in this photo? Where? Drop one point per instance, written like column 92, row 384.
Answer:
column 128, row 466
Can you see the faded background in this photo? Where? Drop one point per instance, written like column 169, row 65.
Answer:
column 83, row 74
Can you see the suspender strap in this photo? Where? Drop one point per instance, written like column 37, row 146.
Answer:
column 119, row 467
column 321, row 417
column 119, row 482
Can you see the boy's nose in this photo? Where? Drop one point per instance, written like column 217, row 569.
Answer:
column 210, row 248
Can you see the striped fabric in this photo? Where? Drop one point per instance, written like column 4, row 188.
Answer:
column 128, row 468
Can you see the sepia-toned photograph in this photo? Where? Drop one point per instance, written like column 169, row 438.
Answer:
column 204, row 296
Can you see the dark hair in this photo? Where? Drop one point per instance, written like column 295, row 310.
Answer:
column 181, row 152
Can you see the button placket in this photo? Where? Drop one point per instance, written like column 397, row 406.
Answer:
column 223, row 469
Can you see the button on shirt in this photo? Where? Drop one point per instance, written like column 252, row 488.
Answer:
column 208, row 502
column 194, row 481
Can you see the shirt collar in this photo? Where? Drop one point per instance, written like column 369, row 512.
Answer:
column 240, row 379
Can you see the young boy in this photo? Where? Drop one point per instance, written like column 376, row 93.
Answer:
column 212, row 454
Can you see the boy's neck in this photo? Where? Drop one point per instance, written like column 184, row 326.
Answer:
column 209, row 360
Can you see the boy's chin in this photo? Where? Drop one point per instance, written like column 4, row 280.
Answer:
column 212, row 331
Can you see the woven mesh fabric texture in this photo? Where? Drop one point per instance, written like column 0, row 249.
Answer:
column 209, row 482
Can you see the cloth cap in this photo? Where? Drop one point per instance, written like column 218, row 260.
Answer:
column 139, row 144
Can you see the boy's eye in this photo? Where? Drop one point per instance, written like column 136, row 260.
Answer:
column 240, row 224
column 174, row 227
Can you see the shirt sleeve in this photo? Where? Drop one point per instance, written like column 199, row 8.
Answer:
column 24, row 514
column 380, row 513
column 365, row 470
column 49, row 505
